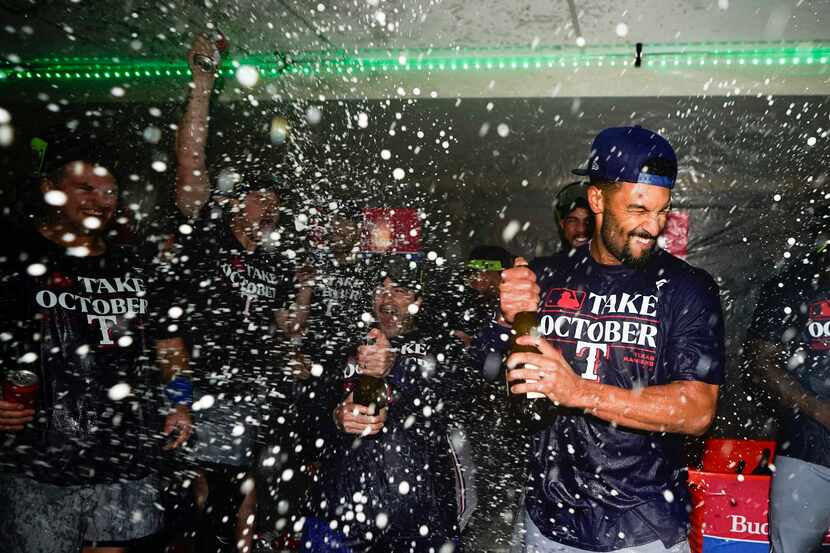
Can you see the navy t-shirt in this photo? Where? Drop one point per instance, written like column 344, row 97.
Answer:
column 794, row 311
column 80, row 323
column 595, row 485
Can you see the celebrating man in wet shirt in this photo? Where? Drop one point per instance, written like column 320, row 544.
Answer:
column 387, row 480
column 788, row 351
column 632, row 352
column 78, row 465
column 227, row 279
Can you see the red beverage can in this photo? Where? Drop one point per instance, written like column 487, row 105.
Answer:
column 22, row 387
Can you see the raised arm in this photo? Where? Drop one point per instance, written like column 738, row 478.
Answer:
column 192, row 182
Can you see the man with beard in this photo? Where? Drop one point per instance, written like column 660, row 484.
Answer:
column 387, row 479
column 77, row 468
column 573, row 216
column 631, row 357
column 788, row 351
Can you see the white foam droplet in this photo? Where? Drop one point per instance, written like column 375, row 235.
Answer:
column 247, row 486
column 36, row 269
column 398, row 173
column 503, row 129
column 403, row 487
column 119, row 391
column 152, row 134
column 423, row 530
column 811, row 141
column 580, row 41
column 175, row 312
column 247, row 76
column 55, row 197
column 5, row 116
column 117, row 91
column 621, row 30
column 287, row 475
column 381, row 520
column 125, row 341
column 6, row 135
column 316, row 370
column 668, row 495
column 413, row 308
column 159, row 166
column 29, row 357
column 206, row 401
column 510, row 230
column 92, row 223
column 313, row 115
column 362, row 120
column 385, row 154
column 185, row 228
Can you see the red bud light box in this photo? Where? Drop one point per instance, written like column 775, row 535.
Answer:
column 730, row 511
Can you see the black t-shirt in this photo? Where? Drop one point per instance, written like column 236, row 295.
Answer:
column 595, row 485
column 340, row 305
column 794, row 312
column 406, row 471
column 79, row 322
column 222, row 299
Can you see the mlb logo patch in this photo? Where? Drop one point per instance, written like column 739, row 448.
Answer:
column 820, row 310
column 565, row 298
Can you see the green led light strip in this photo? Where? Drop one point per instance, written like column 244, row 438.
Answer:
column 429, row 60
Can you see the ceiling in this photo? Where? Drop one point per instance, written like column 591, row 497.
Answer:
column 127, row 31
column 158, row 29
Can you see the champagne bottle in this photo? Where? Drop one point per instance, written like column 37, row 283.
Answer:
column 532, row 409
column 370, row 390
column 524, row 324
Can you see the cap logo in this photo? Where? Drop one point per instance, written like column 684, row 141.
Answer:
column 485, row 265
column 595, row 165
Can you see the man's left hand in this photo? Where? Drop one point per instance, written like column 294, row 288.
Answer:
column 553, row 376
column 179, row 422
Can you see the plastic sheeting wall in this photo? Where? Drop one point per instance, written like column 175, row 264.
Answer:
column 486, row 170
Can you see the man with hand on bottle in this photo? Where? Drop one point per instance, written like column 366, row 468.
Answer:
column 386, row 483
column 630, row 350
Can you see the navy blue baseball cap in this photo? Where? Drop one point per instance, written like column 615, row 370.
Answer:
column 631, row 154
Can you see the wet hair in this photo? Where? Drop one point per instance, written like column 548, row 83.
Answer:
column 606, row 185
column 405, row 270
column 565, row 210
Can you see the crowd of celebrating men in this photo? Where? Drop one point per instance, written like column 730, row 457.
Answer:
column 202, row 392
